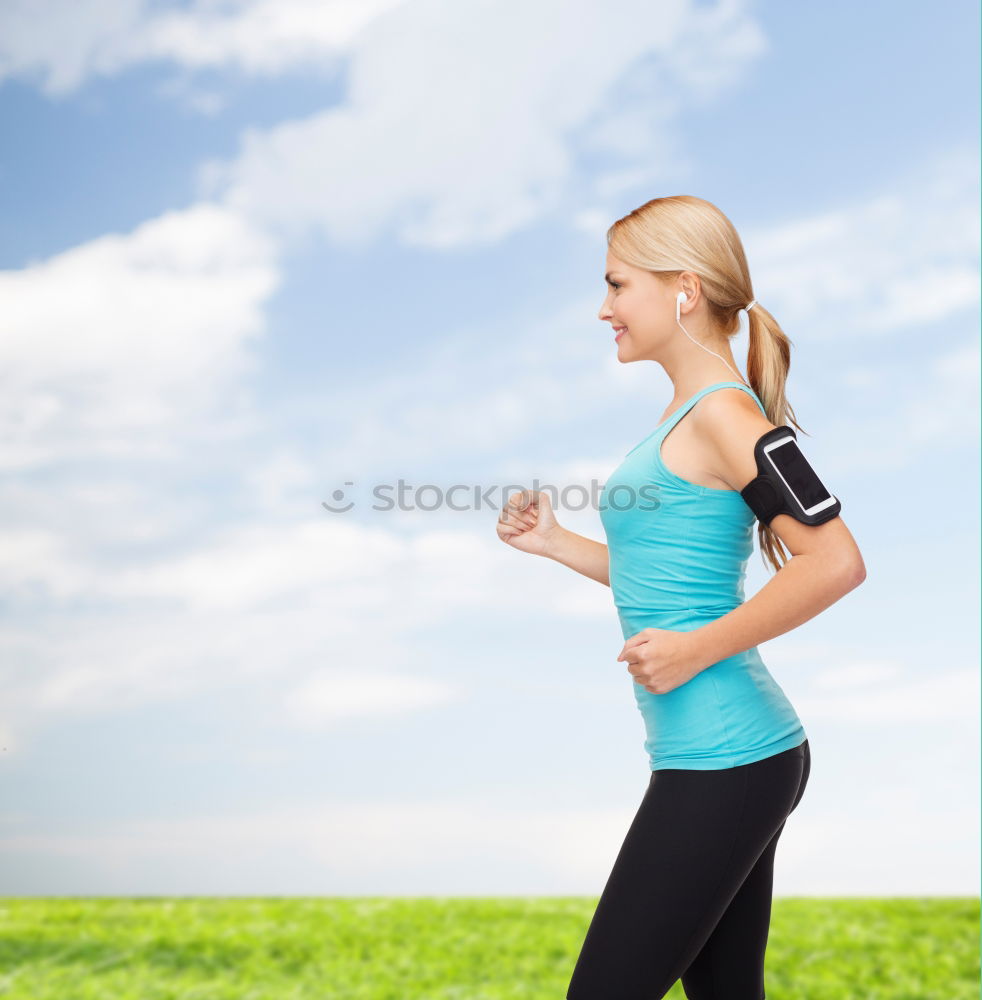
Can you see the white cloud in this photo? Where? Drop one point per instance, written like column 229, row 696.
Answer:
column 107, row 347
column 436, row 143
column 66, row 42
column 897, row 258
column 263, row 37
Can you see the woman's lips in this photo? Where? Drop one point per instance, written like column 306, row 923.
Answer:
column 619, row 334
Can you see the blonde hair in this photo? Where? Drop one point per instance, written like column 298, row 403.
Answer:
column 682, row 233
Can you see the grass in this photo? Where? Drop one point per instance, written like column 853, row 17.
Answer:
column 457, row 948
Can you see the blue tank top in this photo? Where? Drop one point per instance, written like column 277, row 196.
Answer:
column 678, row 558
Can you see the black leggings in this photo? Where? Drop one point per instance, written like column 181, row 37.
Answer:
column 689, row 895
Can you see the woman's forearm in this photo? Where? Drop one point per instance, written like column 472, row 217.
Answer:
column 802, row 588
column 580, row 553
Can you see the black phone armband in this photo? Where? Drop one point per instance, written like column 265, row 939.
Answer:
column 786, row 483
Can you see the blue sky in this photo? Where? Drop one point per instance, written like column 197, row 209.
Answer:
column 252, row 252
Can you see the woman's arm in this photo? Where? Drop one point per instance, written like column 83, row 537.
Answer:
column 824, row 566
column 825, row 561
column 578, row 552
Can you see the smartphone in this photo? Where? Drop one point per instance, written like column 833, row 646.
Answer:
column 800, row 478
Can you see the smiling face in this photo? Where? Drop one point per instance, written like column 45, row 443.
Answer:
column 641, row 304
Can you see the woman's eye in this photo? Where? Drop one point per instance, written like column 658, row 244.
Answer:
column 614, row 284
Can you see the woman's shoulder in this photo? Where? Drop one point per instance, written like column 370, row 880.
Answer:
column 729, row 423
column 728, row 402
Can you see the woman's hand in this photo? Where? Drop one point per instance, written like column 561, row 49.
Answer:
column 527, row 522
column 661, row 660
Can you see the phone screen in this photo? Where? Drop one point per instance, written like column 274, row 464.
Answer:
column 798, row 474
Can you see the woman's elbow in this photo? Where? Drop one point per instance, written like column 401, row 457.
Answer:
column 852, row 573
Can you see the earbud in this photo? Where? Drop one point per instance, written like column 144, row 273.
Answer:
column 681, row 297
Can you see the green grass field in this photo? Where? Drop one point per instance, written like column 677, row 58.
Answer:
column 445, row 948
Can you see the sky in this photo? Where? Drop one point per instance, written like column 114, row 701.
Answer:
column 254, row 253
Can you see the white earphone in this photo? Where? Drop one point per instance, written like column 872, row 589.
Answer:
column 679, row 299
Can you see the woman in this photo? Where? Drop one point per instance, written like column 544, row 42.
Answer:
column 689, row 895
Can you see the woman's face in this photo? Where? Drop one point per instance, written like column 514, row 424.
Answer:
column 639, row 304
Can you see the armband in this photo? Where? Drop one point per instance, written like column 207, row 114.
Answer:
column 786, row 483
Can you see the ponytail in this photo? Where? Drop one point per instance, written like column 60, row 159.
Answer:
column 768, row 362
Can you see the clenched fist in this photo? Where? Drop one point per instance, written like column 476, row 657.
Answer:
column 661, row 660
column 527, row 522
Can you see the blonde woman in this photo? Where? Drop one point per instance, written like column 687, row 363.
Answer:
column 689, row 895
